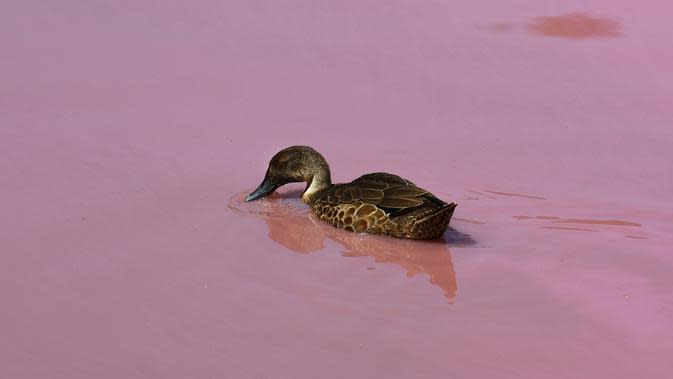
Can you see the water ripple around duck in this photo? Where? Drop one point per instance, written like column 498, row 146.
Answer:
column 275, row 205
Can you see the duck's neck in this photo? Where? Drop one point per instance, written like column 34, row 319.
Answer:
column 319, row 180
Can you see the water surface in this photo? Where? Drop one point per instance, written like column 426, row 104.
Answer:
column 130, row 131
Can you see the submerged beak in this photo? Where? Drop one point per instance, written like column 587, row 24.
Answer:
column 264, row 189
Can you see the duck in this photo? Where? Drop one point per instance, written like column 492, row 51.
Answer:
column 376, row 203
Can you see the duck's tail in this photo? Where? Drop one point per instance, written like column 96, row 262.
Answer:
column 433, row 224
column 444, row 213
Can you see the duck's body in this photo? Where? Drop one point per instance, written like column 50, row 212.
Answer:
column 378, row 203
column 383, row 203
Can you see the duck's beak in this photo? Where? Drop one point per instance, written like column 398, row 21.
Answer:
column 264, row 189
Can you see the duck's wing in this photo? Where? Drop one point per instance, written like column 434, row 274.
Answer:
column 392, row 193
column 384, row 178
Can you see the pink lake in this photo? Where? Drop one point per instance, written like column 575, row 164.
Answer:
column 131, row 130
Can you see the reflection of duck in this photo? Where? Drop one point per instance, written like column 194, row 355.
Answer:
column 378, row 203
column 300, row 233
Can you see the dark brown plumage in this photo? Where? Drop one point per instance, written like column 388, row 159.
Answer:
column 379, row 203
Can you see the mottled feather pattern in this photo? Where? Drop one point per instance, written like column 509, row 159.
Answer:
column 386, row 204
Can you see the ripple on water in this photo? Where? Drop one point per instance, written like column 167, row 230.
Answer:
column 274, row 205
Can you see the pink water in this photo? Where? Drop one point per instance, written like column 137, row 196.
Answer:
column 131, row 130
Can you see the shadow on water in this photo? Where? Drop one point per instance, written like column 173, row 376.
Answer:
column 455, row 238
column 291, row 225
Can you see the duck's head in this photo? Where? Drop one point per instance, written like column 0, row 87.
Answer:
column 291, row 165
